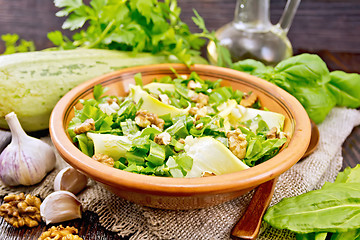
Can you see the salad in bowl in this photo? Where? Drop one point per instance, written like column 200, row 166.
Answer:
column 183, row 127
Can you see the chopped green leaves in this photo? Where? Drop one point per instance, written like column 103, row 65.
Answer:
column 137, row 143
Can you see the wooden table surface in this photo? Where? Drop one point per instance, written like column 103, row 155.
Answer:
column 329, row 28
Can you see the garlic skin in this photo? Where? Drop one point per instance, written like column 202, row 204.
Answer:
column 26, row 160
column 60, row 206
column 69, row 179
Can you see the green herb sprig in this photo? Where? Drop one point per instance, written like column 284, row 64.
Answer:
column 130, row 25
column 13, row 44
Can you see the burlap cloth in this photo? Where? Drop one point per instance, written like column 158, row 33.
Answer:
column 138, row 222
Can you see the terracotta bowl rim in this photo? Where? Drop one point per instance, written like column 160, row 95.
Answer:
column 248, row 178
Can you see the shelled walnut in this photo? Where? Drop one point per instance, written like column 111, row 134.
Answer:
column 104, row 159
column 237, row 143
column 144, row 119
column 201, row 99
column 60, row 233
column 88, row 125
column 163, row 138
column 248, row 99
column 20, row 210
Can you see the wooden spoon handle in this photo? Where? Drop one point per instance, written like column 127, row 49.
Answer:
column 249, row 225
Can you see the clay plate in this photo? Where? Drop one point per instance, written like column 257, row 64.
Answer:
column 175, row 193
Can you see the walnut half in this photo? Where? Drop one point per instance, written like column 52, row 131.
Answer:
column 144, row 119
column 87, row 125
column 20, row 210
column 60, row 233
column 104, row 159
column 237, row 143
column 248, row 99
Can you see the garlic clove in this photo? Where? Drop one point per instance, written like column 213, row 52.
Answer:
column 26, row 160
column 69, row 179
column 60, row 206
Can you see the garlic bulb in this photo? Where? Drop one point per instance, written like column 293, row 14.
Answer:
column 60, row 206
column 69, row 179
column 26, row 160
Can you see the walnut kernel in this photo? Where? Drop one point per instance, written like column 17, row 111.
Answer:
column 237, row 143
column 88, row 125
column 163, row 138
column 104, row 159
column 144, row 119
column 20, row 210
column 249, row 99
column 272, row 134
column 60, row 233
column 192, row 85
column 201, row 99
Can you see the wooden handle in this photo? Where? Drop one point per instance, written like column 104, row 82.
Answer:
column 249, row 225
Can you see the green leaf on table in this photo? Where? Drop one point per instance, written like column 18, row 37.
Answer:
column 317, row 101
column 349, row 174
column 254, row 67
column 334, row 208
column 346, row 88
column 304, row 70
column 311, row 236
column 351, row 235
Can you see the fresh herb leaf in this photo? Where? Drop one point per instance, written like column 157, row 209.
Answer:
column 346, row 88
column 99, row 91
column 135, row 25
column 313, row 212
column 138, row 79
column 85, row 144
column 312, row 236
column 12, row 44
column 224, row 56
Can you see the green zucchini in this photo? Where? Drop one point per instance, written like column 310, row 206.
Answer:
column 32, row 83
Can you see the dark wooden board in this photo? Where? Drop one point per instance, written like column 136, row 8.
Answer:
column 330, row 28
column 318, row 25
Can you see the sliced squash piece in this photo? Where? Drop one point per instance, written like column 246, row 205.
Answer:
column 272, row 119
column 153, row 105
column 155, row 86
column 210, row 155
column 112, row 145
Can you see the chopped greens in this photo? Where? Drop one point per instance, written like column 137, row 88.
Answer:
column 177, row 127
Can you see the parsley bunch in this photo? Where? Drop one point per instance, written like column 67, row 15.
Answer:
column 130, row 25
column 14, row 44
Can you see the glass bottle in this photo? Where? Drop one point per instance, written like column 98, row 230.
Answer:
column 251, row 34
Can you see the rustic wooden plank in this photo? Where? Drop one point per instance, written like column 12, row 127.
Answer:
column 323, row 24
column 351, row 149
column 333, row 25
column 89, row 229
